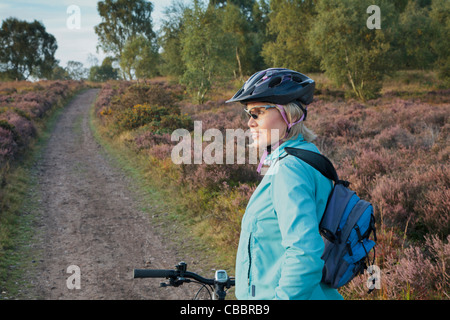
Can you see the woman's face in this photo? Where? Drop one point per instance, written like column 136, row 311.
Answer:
column 269, row 127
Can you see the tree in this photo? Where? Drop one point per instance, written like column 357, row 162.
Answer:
column 104, row 72
column 236, row 25
column 245, row 6
column 59, row 73
column 76, row 70
column 289, row 23
column 439, row 14
column 415, row 36
column 350, row 52
column 26, row 49
column 123, row 20
column 245, row 22
column 208, row 53
column 139, row 58
column 259, row 36
column 170, row 40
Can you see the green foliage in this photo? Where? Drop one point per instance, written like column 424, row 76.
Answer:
column 207, row 51
column 26, row 49
column 158, row 119
column 139, row 58
column 245, row 6
column 236, row 25
column 201, row 44
column 123, row 20
column 59, row 73
column 139, row 93
column 104, row 72
column 170, row 40
column 289, row 22
column 76, row 70
column 439, row 14
column 246, row 28
column 414, row 35
column 350, row 52
column 136, row 105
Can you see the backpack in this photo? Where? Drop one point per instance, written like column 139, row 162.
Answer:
column 346, row 225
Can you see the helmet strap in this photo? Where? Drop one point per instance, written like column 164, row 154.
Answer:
column 289, row 126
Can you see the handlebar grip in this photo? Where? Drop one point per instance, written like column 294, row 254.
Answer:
column 154, row 273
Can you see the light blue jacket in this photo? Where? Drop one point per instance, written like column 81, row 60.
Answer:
column 280, row 248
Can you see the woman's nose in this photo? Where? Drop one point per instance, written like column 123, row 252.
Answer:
column 252, row 122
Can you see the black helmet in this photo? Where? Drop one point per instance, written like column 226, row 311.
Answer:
column 276, row 85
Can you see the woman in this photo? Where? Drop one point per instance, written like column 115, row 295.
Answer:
column 280, row 248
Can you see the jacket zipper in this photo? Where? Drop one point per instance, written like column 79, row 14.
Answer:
column 249, row 258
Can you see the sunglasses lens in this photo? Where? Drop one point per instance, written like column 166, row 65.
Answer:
column 249, row 114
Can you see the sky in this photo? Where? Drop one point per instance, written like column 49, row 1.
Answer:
column 74, row 32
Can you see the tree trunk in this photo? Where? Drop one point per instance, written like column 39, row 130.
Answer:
column 239, row 64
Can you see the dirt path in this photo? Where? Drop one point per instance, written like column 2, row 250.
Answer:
column 89, row 219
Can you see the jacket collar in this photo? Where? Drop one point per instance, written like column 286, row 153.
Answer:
column 279, row 152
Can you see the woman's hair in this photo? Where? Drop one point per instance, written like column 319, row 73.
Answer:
column 294, row 113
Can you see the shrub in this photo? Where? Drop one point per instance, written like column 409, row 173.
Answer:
column 158, row 119
column 23, row 127
column 395, row 137
column 415, row 200
column 8, row 145
column 161, row 151
column 148, row 140
column 420, row 271
column 212, row 176
column 143, row 94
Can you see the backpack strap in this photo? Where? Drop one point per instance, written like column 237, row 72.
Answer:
column 317, row 161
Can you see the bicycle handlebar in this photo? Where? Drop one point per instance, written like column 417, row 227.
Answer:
column 150, row 273
column 180, row 275
column 155, row 273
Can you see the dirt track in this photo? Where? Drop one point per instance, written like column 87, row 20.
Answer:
column 89, row 219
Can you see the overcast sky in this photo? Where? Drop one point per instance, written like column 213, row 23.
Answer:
column 73, row 43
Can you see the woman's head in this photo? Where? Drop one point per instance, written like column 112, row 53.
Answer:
column 276, row 97
column 270, row 123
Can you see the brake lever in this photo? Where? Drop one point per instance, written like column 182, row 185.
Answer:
column 174, row 282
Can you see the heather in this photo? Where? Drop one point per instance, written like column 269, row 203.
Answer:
column 23, row 106
column 394, row 150
column 24, row 111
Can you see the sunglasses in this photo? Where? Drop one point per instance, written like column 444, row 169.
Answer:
column 255, row 115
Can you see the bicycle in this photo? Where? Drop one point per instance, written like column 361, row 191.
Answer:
column 180, row 275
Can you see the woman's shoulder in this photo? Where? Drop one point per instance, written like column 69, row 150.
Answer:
column 290, row 160
column 292, row 165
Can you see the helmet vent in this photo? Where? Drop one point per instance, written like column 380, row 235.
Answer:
column 275, row 82
column 297, row 79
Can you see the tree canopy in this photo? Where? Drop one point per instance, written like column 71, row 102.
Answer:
column 26, row 49
column 200, row 42
column 122, row 20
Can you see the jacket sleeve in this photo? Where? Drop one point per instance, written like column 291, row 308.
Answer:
column 293, row 197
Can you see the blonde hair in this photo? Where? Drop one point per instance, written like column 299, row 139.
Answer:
column 294, row 113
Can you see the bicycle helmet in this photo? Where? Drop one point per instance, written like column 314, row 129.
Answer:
column 278, row 86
